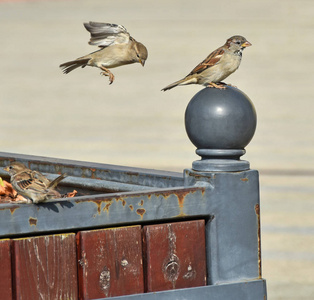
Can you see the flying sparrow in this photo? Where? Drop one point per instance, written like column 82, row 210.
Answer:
column 32, row 184
column 216, row 66
column 117, row 48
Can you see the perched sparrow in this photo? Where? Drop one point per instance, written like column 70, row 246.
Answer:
column 117, row 48
column 216, row 66
column 32, row 184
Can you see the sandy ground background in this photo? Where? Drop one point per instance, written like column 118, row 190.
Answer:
column 79, row 116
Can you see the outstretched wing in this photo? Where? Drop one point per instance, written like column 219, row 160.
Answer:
column 106, row 34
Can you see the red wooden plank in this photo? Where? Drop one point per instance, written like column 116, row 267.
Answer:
column 110, row 262
column 175, row 255
column 45, row 267
column 5, row 270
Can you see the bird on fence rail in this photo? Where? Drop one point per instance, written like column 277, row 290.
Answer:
column 32, row 184
column 117, row 48
column 216, row 66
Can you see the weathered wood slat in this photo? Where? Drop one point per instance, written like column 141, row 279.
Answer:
column 5, row 270
column 175, row 255
column 110, row 262
column 45, row 267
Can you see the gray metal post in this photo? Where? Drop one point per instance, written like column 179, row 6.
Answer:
column 220, row 123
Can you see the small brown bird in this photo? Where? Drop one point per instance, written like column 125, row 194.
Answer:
column 32, row 184
column 216, row 66
column 117, row 48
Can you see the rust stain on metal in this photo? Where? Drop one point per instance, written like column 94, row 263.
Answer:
column 197, row 176
column 141, row 203
column 181, row 198
column 106, row 208
column 141, row 212
column 245, row 179
column 131, row 173
column 32, row 221
column 12, row 210
column 257, row 211
column 98, row 203
column 122, row 201
column 131, row 207
column 93, row 173
column 180, row 194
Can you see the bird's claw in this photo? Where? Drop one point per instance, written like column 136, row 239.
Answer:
column 111, row 76
column 220, row 85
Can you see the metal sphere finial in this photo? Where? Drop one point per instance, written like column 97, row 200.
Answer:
column 220, row 123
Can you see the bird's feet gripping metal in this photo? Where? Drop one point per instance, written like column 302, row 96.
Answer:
column 218, row 85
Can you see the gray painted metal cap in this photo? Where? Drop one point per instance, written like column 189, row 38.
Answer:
column 220, row 123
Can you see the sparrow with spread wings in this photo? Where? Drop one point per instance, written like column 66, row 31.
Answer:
column 117, row 48
column 32, row 184
column 216, row 66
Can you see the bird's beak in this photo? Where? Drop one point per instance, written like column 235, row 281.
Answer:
column 246, row 44
column 142, row 62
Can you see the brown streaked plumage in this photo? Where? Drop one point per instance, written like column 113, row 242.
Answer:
column 217, row 66
column 118, row 48
column 32, row 184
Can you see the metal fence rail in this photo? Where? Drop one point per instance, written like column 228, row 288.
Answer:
column 228, row 202
column 159, row 228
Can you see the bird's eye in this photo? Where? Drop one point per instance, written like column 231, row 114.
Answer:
column 137, row 55
column 238, row 42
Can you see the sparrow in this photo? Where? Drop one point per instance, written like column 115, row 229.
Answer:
column 32, row 184
column 216, row 66
column 117, row 48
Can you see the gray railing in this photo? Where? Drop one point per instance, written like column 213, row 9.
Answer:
column 220, row 188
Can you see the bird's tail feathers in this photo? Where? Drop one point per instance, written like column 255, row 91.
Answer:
column 184, row 81
column 55, row 182
column 69, row 66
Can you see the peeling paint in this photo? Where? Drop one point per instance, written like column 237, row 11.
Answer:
column 104, row 280
column 124, row 263
column 171, row 267
column 190, row 274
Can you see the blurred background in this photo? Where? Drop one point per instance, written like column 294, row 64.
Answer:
column 79, row 116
